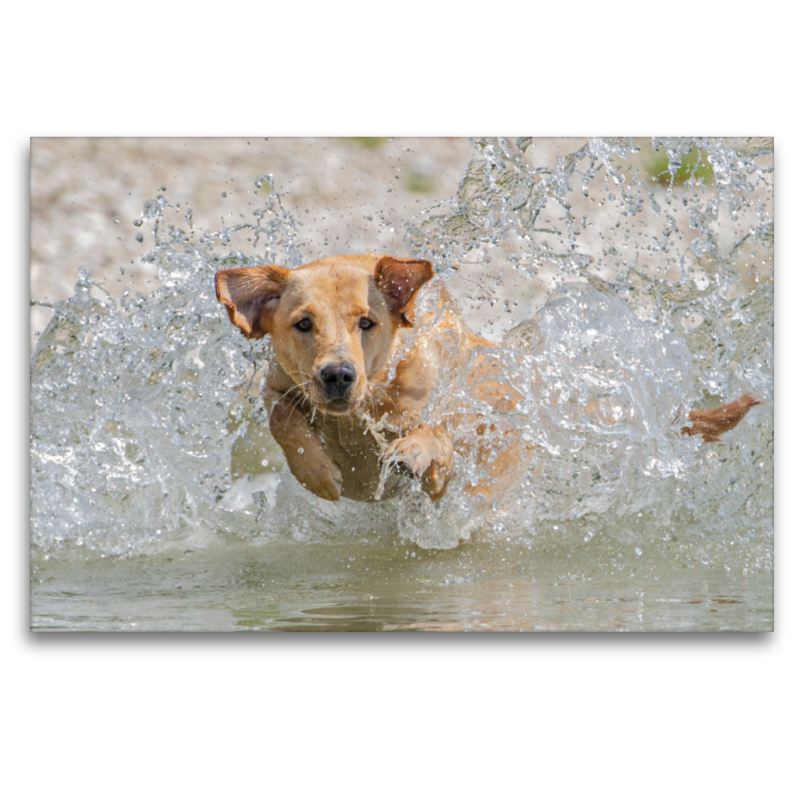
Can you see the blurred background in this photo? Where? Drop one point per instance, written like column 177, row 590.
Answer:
column 345, row 194
column 88, row 193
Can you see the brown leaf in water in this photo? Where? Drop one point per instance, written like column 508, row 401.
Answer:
column 712, row 423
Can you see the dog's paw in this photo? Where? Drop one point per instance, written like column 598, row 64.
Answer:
column 407, row 454
column 330, row 488
column 424, row 455
column 321, row 476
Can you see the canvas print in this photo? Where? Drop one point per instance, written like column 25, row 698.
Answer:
column 421, row 384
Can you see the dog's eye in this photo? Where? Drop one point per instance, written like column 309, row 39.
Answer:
column 366, row 324
column 303, row 325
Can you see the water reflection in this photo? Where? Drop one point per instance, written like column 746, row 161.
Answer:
column 295, row 587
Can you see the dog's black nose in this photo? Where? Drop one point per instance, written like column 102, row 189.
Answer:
column 338, row 379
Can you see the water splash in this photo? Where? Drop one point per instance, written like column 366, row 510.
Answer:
column 135, row 405
column 618, row 303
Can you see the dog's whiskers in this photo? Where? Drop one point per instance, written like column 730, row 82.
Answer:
column 386, row 397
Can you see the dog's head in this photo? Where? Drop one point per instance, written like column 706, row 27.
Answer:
column 332, row 322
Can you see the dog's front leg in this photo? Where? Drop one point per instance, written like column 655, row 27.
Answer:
column 426, row 453
column 307, row 458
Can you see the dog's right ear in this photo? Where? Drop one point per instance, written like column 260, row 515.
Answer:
column 399, row 280
column 251, row 296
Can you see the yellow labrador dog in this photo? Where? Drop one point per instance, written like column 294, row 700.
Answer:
column 338, row 326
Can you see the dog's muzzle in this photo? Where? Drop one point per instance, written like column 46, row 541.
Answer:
column 338, row 379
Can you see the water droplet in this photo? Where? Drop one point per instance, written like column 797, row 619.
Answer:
column 300, row 450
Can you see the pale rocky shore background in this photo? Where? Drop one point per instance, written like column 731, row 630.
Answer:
column 347, row 195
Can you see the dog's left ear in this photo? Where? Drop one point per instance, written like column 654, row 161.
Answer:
column 251, row 296
column 399, row 280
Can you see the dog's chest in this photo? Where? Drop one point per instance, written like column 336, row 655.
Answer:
column 347, row 439
column 356, row 451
